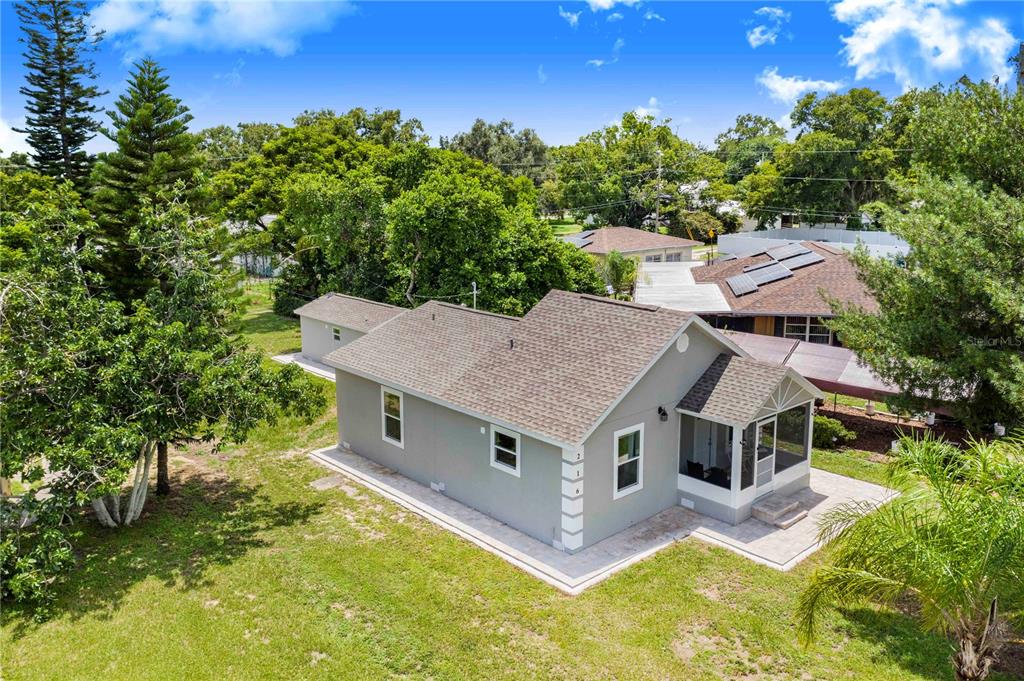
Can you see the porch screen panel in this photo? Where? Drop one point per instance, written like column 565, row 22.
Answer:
column 792, row 436
column 748, row 456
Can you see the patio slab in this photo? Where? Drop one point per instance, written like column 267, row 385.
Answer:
column 306, row 364
column 572, row 573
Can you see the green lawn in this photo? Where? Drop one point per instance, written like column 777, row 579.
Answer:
column 244, row 572
column 563, row 227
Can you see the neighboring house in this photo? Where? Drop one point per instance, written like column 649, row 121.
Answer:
column 580, row 419
column 332, row 320
column 782, row 291
column 637, row 243
column 255, row 264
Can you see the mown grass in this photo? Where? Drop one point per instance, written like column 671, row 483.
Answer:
column 245, row 572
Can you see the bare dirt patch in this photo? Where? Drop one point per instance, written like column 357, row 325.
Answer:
column 876, row 433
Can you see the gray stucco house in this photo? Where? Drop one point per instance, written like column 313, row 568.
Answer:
column 578, row 420
column 332, row 320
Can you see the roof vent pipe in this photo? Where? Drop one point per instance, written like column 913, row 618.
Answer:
column 511, row 343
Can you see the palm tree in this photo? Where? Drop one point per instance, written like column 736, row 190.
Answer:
column 953, row 542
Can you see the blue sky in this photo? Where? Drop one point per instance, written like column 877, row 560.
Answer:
column 563, row 68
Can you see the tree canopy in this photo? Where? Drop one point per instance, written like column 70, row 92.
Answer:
column 514, row 152
column 58, row 90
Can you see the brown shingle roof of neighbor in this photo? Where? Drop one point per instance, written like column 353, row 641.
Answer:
column 799, row 294
column 628, row 240
column 352, row 313
column 733, row 389
column 553, row 373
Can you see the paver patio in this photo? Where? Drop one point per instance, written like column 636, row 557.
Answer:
column 758, row 541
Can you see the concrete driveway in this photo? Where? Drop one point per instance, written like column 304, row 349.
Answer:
column 671, row 284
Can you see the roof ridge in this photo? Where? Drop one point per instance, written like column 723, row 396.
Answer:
column 335, row 294
column 463, row 308
column 624, row 303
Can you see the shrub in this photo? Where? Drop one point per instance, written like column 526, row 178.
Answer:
column 830, row 433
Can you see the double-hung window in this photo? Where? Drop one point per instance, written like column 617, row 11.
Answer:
column 336, row 333
column 628, row 450
column 392, row 423
column 505, row 454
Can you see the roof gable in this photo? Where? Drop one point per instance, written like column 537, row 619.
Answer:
column 739, row 390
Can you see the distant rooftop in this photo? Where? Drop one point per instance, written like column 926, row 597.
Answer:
column 625, row 240
column 789, row 279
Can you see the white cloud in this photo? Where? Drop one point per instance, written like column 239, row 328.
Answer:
column 768, row 32
column 234, row 76
column 993, row 42
column 541, row 76
column 571, row 18
column 653, row 108
column 11, row 141
column 788, row 89
column 914, row 39
column 653, row 16
column 616, row 48
column 598, row 5
column 615, row 16
column 140, row 27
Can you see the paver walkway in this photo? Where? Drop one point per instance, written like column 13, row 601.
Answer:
column 572, row 573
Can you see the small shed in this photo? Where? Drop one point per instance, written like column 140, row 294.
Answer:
column 334, row 320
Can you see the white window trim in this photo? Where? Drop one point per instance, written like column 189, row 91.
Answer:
column 639, row 484
column 336, row 333
column 519, row 451
column 401, row 417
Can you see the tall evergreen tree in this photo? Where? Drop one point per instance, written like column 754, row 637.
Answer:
column 59, row 97
column 154, row 153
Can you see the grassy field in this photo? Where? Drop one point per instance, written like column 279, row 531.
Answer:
column 245, row 572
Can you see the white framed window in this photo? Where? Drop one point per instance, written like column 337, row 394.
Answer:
column 505, row 454
column 392, row 416
column 674, row 257
column 336, row 333
column 810, row 329
column 628, row 460
column 653, row 258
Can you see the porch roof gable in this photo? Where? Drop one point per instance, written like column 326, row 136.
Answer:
column 739, row 390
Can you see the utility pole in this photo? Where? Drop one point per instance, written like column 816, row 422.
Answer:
column 657, row 202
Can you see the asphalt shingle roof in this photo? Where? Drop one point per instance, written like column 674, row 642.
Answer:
column 352, row 313
column 797, row 295
column 733, row 389
column 627, row 240
column 554, row 372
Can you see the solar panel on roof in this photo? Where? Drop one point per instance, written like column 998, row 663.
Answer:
column 741, row 284
column 759, row 266
column 769, row 274
column 787, row 251
column 803, row 260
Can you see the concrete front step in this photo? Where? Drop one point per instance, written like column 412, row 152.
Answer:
column 771, row 508
column 790, row 519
